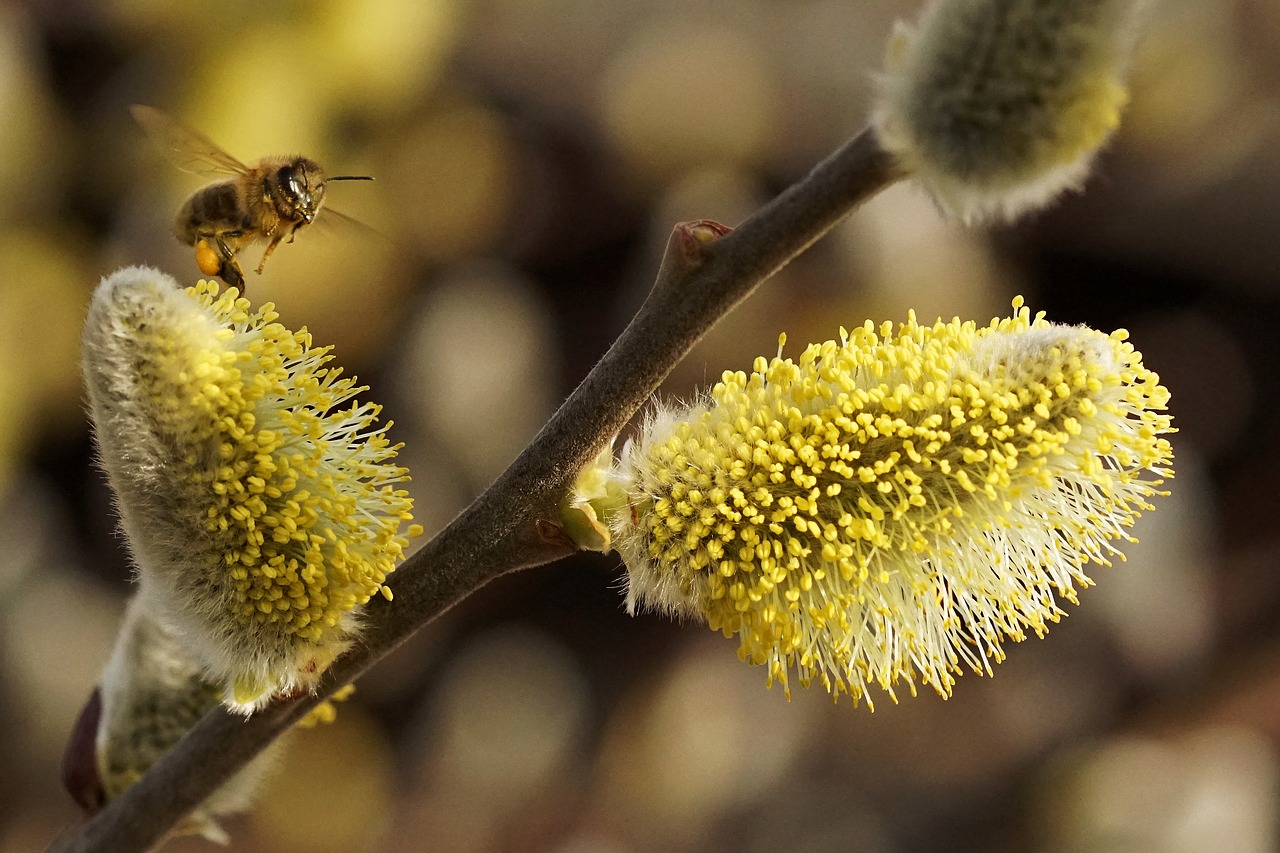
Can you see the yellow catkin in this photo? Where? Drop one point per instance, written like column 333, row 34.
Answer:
column 260, row 498
column 892, row 505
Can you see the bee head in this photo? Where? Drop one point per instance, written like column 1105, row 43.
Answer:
column 300, row 184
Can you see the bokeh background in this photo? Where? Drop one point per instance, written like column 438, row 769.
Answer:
column 530, row 160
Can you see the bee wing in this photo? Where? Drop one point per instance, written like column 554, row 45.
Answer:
column 188, row 149
column 336, row 220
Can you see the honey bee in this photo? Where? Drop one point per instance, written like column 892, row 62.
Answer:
column 269, row 200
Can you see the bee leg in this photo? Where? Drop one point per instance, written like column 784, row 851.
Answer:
column 231, row 273
column 229, row 270
column 271, row 247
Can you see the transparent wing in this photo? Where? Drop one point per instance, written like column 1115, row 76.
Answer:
column 331, row 220
column 188, row 149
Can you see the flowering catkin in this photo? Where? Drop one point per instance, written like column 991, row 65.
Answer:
column 998, row 106
column 260, row 505
column 895, row 504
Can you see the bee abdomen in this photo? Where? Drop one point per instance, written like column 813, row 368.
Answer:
column 216, row 209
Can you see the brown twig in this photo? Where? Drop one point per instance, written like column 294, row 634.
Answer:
column 707, row 270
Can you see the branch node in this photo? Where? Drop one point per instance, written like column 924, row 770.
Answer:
column 551, row 533
column 687, row 248
column 694, row 237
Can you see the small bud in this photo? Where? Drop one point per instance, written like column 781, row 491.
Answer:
column 259, row 503
column 998, row 106
column 896, row 504
column 152, row 693
column 578, row 516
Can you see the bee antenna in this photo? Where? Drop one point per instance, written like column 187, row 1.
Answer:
column 349, row 178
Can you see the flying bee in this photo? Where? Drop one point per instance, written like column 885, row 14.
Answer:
column 269, row 200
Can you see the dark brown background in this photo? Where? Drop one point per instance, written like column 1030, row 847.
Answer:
column 531, row 158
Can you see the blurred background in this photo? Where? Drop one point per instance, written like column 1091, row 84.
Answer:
column 531, row 159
